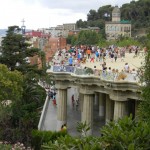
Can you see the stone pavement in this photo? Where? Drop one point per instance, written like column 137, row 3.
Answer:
column 134, row 62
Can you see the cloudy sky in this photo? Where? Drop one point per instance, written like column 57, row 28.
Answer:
column 48, row 13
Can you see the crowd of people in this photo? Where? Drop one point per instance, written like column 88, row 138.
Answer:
column 80, row 55
column 52, row 95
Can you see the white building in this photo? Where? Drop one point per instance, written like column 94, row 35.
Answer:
column 117, row 27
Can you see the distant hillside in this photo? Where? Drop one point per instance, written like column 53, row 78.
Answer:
column 3, row 31
column 138, row 12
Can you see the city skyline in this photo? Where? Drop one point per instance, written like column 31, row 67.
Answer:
column 45, row 14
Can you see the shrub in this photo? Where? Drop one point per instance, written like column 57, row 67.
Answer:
column 89, row 71
column 126, row 134
column 40, row 137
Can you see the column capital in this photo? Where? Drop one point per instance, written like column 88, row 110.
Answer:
column 118, row 95
column 86, row 89
column 62, row 85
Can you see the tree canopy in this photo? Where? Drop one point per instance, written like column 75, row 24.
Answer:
column 138, row 12
column 10, row 84
column 15, row 50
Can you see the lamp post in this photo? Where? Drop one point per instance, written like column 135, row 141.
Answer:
column 23, row 27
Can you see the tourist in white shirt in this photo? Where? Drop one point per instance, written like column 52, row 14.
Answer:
column 126, row 68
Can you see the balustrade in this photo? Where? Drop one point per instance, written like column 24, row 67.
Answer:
column 104, row 75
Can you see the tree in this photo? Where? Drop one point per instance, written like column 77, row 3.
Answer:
column 22, row 115
column 88, row 37
column 15, row 49
column 10, row 84
column 145, row 103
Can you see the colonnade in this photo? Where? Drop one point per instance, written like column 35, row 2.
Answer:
column 108, row 109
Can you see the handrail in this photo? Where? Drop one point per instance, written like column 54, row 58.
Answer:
column 43, row 113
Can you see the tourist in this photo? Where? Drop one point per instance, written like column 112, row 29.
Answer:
column 111, row 57
column 134, row 73
column 109, row 71
column 97, row 56
column 92, row 57
column 88, row 53
column 64, row 127
column 72, row 98
column 77, row 104
column 116, row 74
column 70, row 61
column 126, row 68
column 115, row 56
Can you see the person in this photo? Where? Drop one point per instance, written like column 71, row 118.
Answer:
column 97, row 56
column 109, row 71
column 134, row 73
column 77, row 103
column 115, row 56
column 126, row 67
column 70, row 61
column 111, row 56
column 88, row 53
column 64, row 127
column 72, row 98
column 50, row 94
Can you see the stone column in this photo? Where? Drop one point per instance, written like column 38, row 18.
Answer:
column 109, row 109
column 87, row 115
column 102, row 98
column 61, row 108
column 96, row 99
column 120, row 109
column 81, row 99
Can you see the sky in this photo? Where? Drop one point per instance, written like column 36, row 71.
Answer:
column 48, row 13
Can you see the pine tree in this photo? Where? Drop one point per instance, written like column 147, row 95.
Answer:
column 15, row 50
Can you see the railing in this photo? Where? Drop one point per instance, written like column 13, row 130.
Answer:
column 43, row 113
column 63, row 68
column 121, row 76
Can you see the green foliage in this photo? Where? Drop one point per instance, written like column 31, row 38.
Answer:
column 67, row 143
column 18, row 119
column 10, row 84
column 88, row 37
column 5, row 147
column 138, row 12
column 126, row 41
column 85, row 37
column 41, row 137
column 83, row 128
column 15, row 49
column 145, row 77
column 89, row 71
column 126, row 134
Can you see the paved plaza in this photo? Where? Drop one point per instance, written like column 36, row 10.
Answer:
column 134, row 62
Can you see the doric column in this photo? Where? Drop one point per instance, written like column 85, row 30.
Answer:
column 109, row 109
column 96, row 99
column 61, row 108
column 102, row 98
column 81, row 99
column 120, row 109
column 87, row 115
